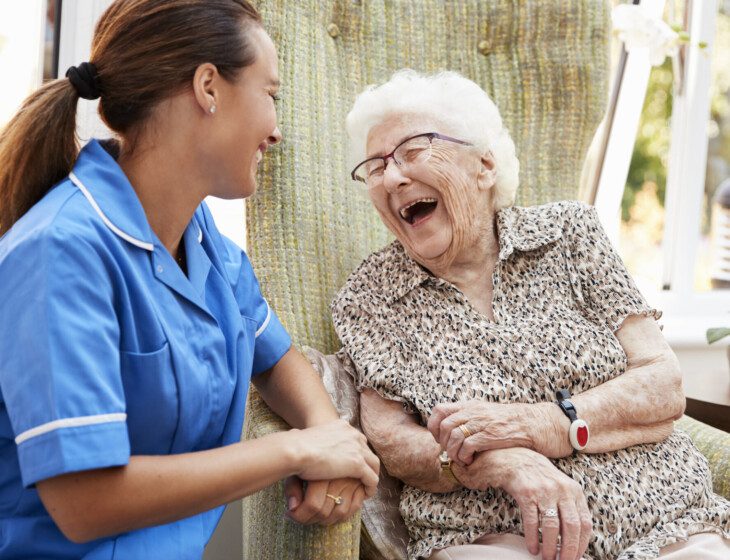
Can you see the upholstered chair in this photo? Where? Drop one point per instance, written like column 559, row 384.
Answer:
column 544, row 63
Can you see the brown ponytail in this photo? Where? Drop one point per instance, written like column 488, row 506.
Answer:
column 145, row 51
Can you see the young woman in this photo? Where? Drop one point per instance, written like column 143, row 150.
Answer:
column 130, row 328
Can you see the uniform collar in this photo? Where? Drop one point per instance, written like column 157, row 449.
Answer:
column 106, row 187
column 518, row 229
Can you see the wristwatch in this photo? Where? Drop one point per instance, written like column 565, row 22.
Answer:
column 578, row 432
column 446, row 468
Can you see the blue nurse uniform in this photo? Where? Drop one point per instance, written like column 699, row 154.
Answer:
column 108, row 350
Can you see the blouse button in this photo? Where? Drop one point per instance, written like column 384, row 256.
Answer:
column 612, row 528
column 333, row 30
column 483, row 47
column 541, row 382
column 590, row 471
column 159, row 268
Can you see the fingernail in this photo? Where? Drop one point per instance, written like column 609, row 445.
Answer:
column 293, row 503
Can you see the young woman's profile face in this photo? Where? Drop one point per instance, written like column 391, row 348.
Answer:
column 245, row 121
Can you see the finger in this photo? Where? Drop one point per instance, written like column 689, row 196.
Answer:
column 469, row 446
column 550, row 530
column 369, row 479
column 530, row 525
column 314, row 501
column 293, row 492
column 439, row 412
column 372, row 460
column 449, row 424
column 586, row 522
column 357, row 500
column 453, row 444
column 339, row 512
column 569, row 529
column 328, row 506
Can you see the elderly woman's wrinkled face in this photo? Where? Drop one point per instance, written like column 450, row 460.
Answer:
column 435, row 207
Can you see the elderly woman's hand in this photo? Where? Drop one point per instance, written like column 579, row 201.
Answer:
column 468, row 427
column 538, row 487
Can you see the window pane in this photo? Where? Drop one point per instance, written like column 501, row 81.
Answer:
column 713, row 262
column 642, row 205
column 22, row 44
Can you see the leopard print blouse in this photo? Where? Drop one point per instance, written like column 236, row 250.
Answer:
column 560, row 293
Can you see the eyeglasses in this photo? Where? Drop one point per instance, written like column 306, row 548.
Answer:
column 414, row 150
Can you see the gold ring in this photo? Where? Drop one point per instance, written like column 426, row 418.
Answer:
column 337, row 499
column 464, row 431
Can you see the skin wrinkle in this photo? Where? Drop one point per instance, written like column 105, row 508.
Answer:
column 638, row 406
column 649, row 392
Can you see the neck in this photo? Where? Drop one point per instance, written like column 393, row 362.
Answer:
column 169, row 186
column 474, row 264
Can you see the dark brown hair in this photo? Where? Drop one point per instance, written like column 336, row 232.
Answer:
column 144, row 51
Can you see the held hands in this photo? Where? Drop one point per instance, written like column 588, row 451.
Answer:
column 468, row 427
column 540, row 490
column 335, row 450
column 319, row 503
column 340, row 472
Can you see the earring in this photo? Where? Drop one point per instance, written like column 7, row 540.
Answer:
column 212, row 109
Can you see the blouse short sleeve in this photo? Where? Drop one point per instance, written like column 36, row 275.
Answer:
column 379, row 358
column 60, row 374
column 606, row 289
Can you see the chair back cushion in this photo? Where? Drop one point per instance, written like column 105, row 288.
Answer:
column 544, row 63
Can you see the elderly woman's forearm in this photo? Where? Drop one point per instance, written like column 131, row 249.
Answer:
column 637, row 407
column 406, row 449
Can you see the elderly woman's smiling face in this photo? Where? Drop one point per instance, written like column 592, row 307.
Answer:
column 436, row 205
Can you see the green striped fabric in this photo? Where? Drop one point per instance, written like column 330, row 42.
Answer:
column 715, row 445
column 545, row 64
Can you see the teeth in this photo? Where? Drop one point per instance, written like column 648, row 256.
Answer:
column 404, row 210
column 259, row 156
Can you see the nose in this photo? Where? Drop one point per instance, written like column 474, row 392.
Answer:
column 393, row 177
column 275, row 137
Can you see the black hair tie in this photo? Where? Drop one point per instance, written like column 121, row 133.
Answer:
column 85, row 79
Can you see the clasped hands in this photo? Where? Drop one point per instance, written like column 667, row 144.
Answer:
column 318, row 502
column 495, row 445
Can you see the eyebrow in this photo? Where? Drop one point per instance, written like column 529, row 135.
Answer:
column 409, row 135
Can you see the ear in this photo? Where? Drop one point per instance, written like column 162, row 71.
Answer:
column 205, row 86
column 487, row 175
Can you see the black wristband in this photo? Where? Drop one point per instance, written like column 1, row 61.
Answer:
column 578, row 432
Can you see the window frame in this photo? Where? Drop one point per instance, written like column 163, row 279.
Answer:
column 688, row 313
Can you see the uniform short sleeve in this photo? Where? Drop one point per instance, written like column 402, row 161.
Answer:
column 59, row 355
column 379, row 358
column 608, row 292
column 272, row 340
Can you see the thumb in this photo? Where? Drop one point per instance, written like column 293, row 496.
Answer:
column 293, row 492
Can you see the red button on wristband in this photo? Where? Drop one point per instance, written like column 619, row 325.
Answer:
column 579, row 434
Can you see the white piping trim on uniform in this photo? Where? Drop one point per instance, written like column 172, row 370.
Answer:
column 265, row 324
column 111, row 226
column 200, row 234
column 70, row 423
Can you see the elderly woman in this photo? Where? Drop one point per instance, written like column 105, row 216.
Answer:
column 514, row 340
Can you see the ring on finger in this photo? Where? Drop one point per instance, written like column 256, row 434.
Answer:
column 550, row 512
column 464, row 430
column 336, row 499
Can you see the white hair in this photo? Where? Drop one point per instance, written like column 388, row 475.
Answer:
column 449, row 97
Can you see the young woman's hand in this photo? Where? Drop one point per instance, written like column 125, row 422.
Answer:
column 319, row 502
column 335, row 450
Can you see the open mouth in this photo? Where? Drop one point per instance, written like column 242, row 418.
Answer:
column 418, row 211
